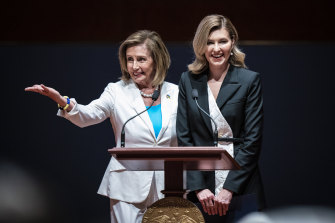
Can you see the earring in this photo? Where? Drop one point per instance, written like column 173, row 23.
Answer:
column 231, row 53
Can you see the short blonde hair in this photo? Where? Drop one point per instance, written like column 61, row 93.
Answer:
column 157, row 48
column 206, row 27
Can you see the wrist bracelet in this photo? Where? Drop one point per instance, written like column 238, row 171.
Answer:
column 67, row 104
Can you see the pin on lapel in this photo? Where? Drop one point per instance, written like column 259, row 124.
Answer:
column 168, row 96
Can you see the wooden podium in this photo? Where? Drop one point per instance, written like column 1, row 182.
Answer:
column 174, row 161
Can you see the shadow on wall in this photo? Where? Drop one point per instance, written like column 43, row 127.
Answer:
column 294, row 214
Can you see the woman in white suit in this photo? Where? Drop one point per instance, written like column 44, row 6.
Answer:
column 144, row 62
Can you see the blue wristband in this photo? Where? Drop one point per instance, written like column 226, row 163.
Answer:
column 67, row 104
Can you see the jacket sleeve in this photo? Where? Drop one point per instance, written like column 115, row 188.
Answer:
column 93, row 113
column 183, row 130
column 248, row 154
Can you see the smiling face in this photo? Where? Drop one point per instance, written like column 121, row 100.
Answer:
column 140, row 65
column 219, row 46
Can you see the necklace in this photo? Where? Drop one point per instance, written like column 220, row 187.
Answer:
column 148, row 95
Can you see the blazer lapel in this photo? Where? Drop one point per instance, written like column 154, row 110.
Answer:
column 166, row 106
column 200, row 83
column 136, row 102
column 228, row 88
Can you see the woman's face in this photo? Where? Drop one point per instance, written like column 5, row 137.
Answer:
column 219, row 46
column 140, row 65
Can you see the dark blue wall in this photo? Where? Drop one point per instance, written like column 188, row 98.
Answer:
column 65, row 164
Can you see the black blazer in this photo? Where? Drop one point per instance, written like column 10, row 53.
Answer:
column 241, row 103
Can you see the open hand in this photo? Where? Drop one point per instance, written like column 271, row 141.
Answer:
column 46, row 91
column 222, row 201
column 206, row 198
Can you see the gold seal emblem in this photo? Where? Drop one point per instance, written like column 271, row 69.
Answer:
column 173, row 210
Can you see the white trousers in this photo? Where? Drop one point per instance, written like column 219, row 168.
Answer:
column 123, row 212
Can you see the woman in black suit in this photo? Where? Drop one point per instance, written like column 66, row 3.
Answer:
column 231, row 94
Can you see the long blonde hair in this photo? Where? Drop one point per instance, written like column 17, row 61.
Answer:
column 206, row 27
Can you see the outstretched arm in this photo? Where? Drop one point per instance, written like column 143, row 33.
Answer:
column 52, row 94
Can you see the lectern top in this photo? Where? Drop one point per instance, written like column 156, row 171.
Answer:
column 193, row 158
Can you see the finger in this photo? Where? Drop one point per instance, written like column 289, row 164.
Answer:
column 28, row 89
column 211, row 207
column 207, row 204
column 226, row 205
column 204, row 206
column 37, row 86
column 46, row 89
column 220, row 208
column 202, row 201
column 217, row 207
column 32, row 89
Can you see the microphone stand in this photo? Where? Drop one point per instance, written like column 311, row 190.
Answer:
column 154, row 98
column 215, row 134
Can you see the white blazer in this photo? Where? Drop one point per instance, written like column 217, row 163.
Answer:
column 119, row 102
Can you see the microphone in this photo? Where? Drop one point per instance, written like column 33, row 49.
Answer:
column 154, row 97
column 215, row 134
